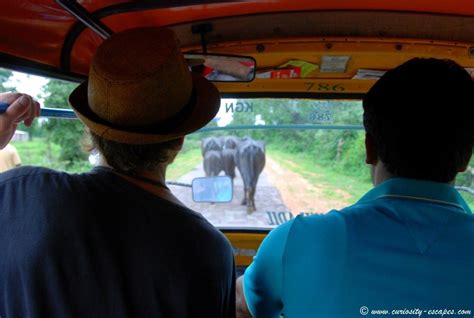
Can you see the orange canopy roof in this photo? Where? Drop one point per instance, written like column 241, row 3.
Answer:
column 36, row 30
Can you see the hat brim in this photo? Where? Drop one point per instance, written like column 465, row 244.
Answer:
column 205, row 108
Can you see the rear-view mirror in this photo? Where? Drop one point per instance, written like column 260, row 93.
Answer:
column 212, row 189
column 222, row 68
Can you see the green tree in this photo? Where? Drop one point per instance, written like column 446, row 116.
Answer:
column 339, row 150
column 4, row 76
column 66, row 133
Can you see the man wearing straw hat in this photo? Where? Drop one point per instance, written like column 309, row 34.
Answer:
column 115, row 242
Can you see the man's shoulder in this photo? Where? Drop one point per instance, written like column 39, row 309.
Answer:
column 331, row 218
column 189, row 226
column 335, row 223
column 325, row 229
column 203, row 228
column 26, row 172
column 324, row 225
column 336, row 217
column 198, row 239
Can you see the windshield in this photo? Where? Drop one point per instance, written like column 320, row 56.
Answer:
column 294, row 156
column 302, row 155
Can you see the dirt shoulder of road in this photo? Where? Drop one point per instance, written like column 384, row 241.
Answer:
column 299, row 194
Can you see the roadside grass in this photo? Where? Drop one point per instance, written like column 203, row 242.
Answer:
column 186, row 160
column 38, row 152
column 469, row 199
column 322, row 177
column 330, row 180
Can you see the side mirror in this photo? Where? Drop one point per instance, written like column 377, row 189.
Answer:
column 212, row 189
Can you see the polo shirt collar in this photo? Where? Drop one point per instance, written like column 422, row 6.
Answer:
column 413, row 189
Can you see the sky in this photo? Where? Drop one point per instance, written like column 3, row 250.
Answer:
column 28, row 84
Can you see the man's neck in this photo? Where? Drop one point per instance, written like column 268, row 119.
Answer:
column 379, row 173
column 158, row 175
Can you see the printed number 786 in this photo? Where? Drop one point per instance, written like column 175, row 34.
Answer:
column 324, row 87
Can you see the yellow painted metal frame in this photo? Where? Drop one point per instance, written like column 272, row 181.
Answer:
column 244, row 242
column 333, row 86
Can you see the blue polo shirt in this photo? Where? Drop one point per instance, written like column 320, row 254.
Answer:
column 405, row 249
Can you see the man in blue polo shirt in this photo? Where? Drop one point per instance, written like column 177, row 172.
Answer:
column 406, row 248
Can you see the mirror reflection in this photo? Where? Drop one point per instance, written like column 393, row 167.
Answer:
column 212, row 189
column 222, row 68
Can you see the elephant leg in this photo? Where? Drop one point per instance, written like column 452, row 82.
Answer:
column 252, row 199
column 249, row 201
column 244, row 200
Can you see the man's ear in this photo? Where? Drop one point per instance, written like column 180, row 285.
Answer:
column 179, row 144
column 466, row 163
column 371, row 157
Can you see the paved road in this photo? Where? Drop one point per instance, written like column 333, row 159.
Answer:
column 267, row 199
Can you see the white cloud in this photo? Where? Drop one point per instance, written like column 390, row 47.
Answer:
column 223, row 117
column 28, row 84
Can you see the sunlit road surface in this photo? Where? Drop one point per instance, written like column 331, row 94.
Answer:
column 233, row 214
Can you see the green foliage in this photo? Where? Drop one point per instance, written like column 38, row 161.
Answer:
column 466, row 179
column 339, row 150
column 38, row 153
column 68, row 134
column 352, row 160
column 4, row 76
column 34, row 131
column 41, row 153
column 469, row 199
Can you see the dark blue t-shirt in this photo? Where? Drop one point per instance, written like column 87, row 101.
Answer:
column 95, row 245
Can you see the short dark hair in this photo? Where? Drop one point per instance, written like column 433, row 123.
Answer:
column 132, row 159
column 420, row 117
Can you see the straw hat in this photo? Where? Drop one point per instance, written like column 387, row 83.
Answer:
column 140, row 90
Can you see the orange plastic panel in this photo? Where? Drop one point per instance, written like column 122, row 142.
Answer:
column 35, row 29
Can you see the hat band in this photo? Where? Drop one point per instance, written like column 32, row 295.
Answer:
column 163, row 126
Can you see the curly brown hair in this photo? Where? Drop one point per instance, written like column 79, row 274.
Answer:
column 132, row 159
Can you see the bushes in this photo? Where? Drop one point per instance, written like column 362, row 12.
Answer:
column 338, row 150
column 352, row 160
column 66, row 133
